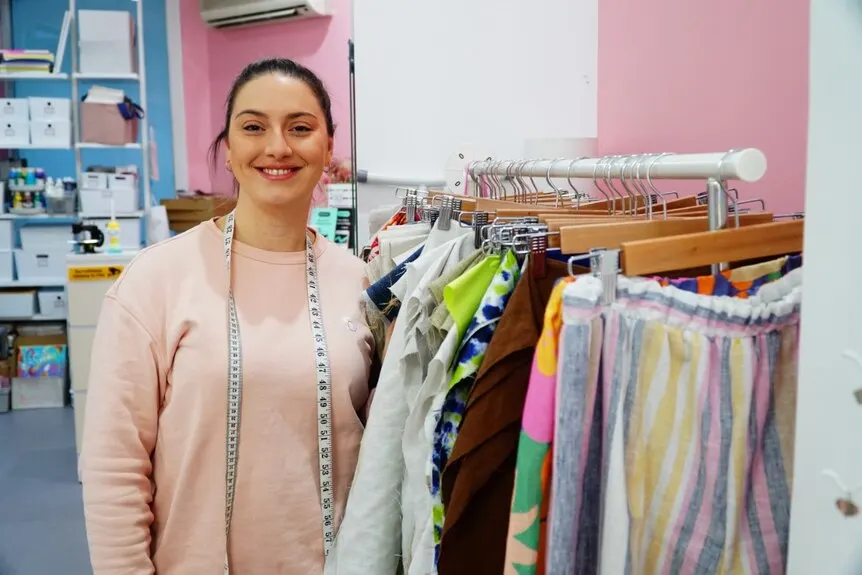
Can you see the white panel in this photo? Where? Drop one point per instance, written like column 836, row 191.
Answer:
column 829, row 420
column 178, row 104
column 433, row 75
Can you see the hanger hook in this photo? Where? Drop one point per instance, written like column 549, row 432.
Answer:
column 612, row 207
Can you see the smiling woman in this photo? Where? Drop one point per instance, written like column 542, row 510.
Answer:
column 277, row 139
column 254, row 331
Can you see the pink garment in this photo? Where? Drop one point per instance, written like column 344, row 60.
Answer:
column 153, row 460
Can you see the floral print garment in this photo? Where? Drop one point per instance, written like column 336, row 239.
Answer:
column 468, row 360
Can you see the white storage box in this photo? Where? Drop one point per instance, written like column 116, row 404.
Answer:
column 17, row 304
column 98, row 202
column 107, row 42
column 94, row 180
column 37, row 266
column 7, row 266
column 122, row 182
column 38, row 392
column 52, row 303
column 14, row 109
column 14, row 133
column 7, row 230
column 130, row 231
column 52, row 109
column 51, row 133
column 46, row 238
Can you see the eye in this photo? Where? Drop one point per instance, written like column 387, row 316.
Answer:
column 301, row 129
column 252, row 128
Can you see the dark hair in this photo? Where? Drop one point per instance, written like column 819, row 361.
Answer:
column 265, row 67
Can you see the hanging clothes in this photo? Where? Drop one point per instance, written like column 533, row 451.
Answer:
column 471, row 354
column 394, row 244
column 740, row 282
column 370, row 538
column 463, row 296
column 526, row 547
column 381, row 305
column 478, row 477
column 693, row 475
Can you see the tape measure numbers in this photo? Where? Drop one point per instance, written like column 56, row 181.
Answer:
column 324, row 395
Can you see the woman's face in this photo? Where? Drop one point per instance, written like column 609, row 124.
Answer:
column 278, row 144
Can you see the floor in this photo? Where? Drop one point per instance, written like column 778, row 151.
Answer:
column 41, row 514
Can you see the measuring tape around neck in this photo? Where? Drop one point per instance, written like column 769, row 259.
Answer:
column 324, row 395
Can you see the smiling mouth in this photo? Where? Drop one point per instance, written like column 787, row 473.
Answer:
column 278, row 172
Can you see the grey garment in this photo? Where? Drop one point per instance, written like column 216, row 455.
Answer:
column 573, row 526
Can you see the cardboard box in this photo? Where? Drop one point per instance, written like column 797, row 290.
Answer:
column 186, row 213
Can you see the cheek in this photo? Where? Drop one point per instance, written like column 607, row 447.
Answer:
column 242, row 152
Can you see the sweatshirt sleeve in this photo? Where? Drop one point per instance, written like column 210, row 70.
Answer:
column 119, row 435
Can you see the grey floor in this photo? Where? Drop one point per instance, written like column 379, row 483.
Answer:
column 41, row 515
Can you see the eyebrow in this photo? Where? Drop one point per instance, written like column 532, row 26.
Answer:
column 291, row 116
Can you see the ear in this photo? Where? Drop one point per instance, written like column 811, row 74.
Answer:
column 329, row 148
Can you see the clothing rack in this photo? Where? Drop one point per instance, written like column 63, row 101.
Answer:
column 375, row 178
column 745, row 164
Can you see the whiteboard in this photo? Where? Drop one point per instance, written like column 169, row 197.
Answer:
column 431, row 76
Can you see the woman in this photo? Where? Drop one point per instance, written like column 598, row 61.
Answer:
column 213, row 379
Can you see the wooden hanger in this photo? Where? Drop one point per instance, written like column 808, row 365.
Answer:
column 645, row 257
column 580, row 236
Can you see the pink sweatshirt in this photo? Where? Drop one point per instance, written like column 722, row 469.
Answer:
column 153, row 459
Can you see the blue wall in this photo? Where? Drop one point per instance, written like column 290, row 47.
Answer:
column 36, row 25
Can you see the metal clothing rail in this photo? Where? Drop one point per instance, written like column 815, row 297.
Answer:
column 747, row 165
column 366, row 177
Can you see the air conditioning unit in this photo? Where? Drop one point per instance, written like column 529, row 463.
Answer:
column 231, row 13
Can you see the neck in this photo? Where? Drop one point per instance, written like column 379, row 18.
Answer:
column 273, row 230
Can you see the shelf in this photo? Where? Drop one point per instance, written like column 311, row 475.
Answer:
column 31, row 284
column 80, row 215
column 89, row 146
column 34, row 147
column 12, row 76
column 37, row 317
column 105, row 77
column 106, row 215
column 38, row 217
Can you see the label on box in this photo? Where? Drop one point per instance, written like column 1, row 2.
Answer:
column 95, row 273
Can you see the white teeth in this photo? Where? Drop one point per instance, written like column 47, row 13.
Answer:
column 275, row 172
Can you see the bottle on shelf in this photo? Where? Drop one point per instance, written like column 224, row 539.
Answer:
column 112, row 236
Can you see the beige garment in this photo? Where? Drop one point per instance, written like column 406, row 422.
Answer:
column 153, row 459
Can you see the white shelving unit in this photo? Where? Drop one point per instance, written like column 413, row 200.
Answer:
column 140, row 77
column 77, row 145
column 80, row 148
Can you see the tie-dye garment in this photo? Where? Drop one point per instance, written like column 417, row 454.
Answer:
column 474, row 344
column 698, row 407
column 532, row 471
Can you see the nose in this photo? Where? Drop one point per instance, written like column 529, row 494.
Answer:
column 277, row 144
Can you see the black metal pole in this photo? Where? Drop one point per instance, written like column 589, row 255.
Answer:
column 354, row 218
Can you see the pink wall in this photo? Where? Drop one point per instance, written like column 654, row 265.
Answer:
column 684, row 76
column 212, row 58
